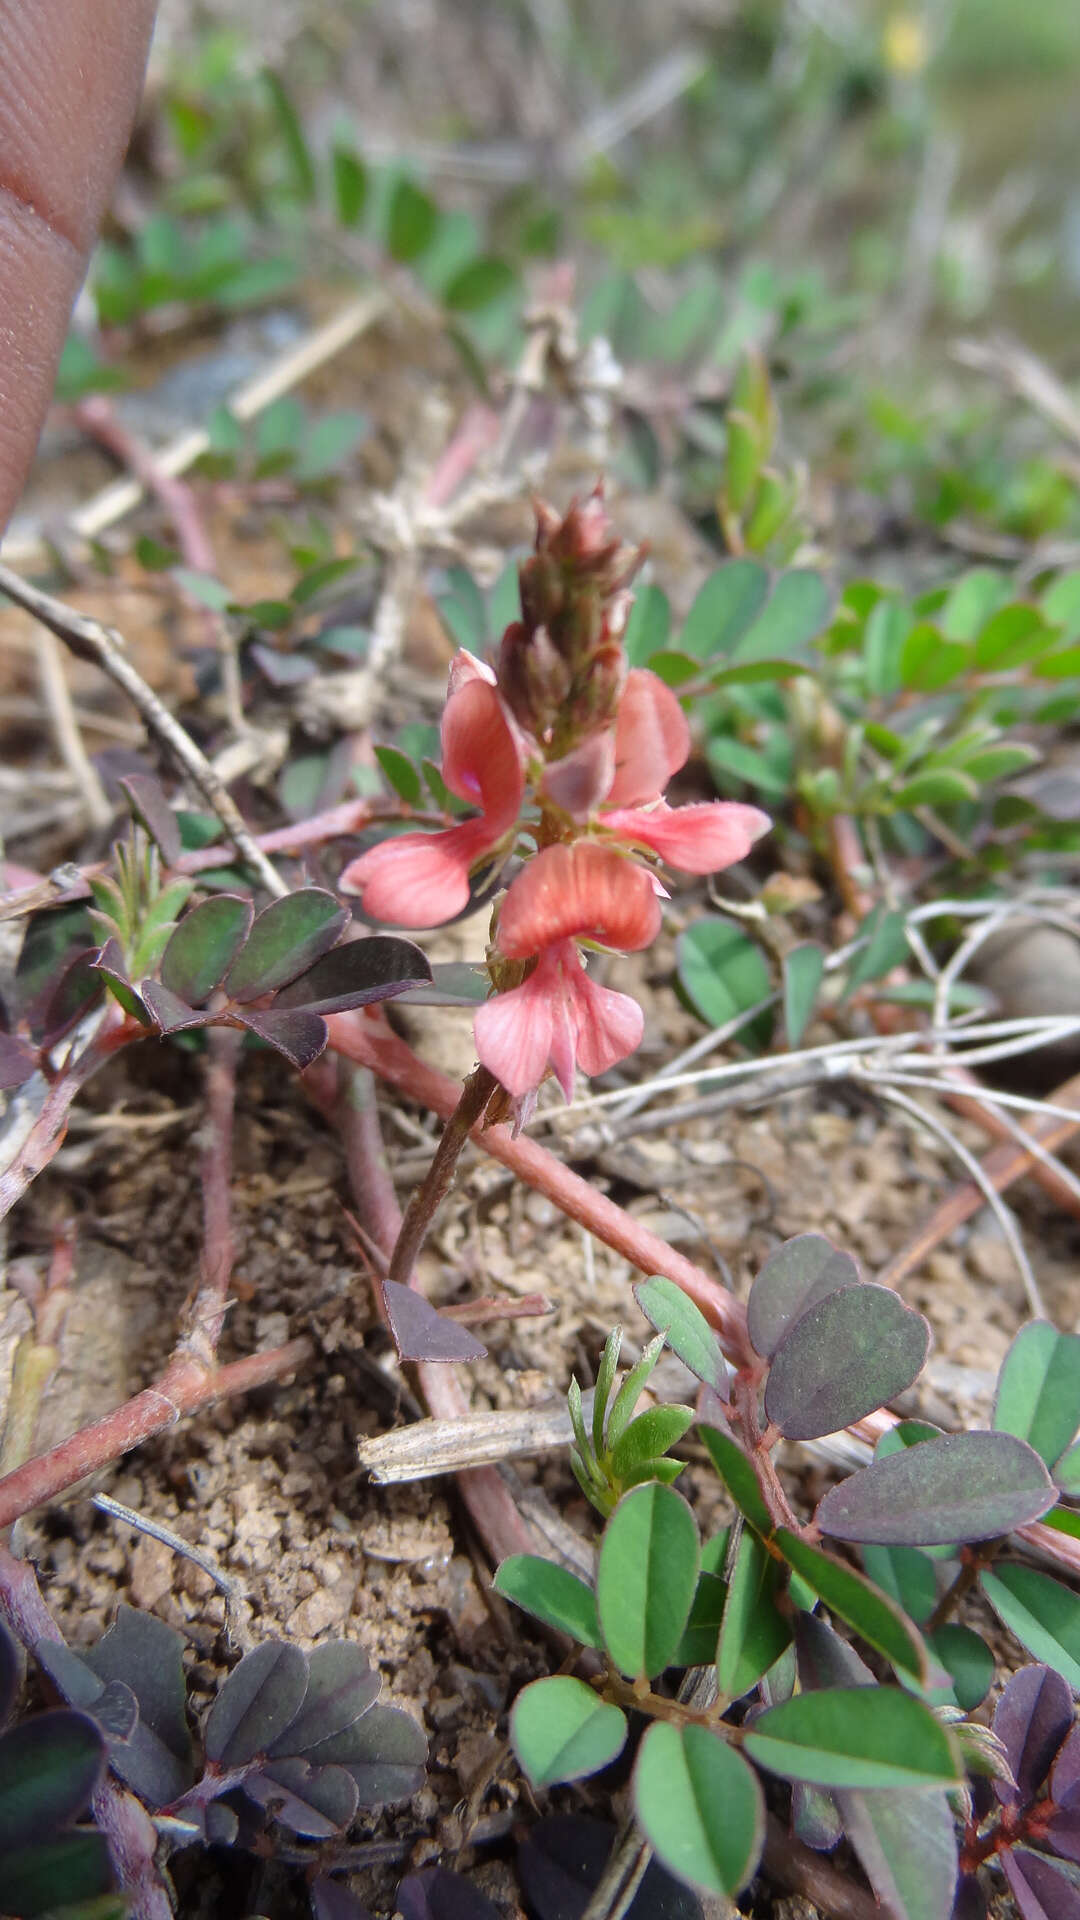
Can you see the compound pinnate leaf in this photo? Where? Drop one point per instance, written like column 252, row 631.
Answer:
column 956, row 1487
column 550, row 1593
column 385, row 1751
column 316, row 1802
column 855, row 1737
column 697, row 1648
column 685, row 1329
column 1031, row 1720
column 967, row 1660
column 1065, row 1779
column 148, row 803
column 906, row 1575
column 18, row 1060
column 357, row 974
column 700, row 1805
column 723, row 973
column 111, row 966
column 287, row 937
column 1043, row 1614
column 645, row 1578
column 420, row 1332
column 73, row 1867
column 647, row 1438
column 299, row 1037
column 561, row 1731
column 50, row 1765
column 753, row 1634
column 857, row 1601
column 804, row 966
column 1067, row 1471
column 169, row 1013
column 341, row 1686
column 906, row 1843
column 438, row 1894
column 844, row 1358
column 260, row 1698
column 797, row 610
column 724, row 608
column 1038, row 1389
column 204, row 945
column 794, row 1278
column 144, row 1653
column 74, row 993
column 1042, row 1891
column 738, row 1475
column 330, row 1900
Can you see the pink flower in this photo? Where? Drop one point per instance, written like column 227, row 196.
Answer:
column 422, row 879
column 558, row 1016
column 652, row 741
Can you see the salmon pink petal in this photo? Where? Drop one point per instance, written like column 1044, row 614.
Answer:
column 609, row 1025
column 700, row 838
column 465, row 666
column 557, row 1018
column 652, row 740
column 514, row 1034
column 480, row 758
column 418, row 879
column 582, row 889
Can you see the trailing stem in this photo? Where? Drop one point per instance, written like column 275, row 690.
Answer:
column 490, row 1504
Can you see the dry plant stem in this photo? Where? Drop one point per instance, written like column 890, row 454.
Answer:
column 846, row 857
column 204, row 1319
column 993, row 1122
column 46, row 1136
column 57, row 698
column 1001, row 1166
column 125, row 1823
column 89, row 640
column 248, row 401
column 37, row 1354
column 487, row 1498
column 98, row 418
column 182, row 1388
column 426, row 1199
column 369, row 1042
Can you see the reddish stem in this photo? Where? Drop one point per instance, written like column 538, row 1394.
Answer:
column 486, row 1496
column 183, row 1387
column 368, row 1041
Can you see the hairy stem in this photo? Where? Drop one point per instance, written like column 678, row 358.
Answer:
column 434, row 1187
column 487, row 1498
column 370, row 1043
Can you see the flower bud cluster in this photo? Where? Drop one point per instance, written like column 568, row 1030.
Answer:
column 567, row 742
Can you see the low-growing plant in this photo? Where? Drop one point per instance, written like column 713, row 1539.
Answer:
column 757, row 1618
column 294, row 1746
column 50, row 1766
column 274, row 975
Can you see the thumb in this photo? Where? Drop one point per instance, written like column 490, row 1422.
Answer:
column 70, row 74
